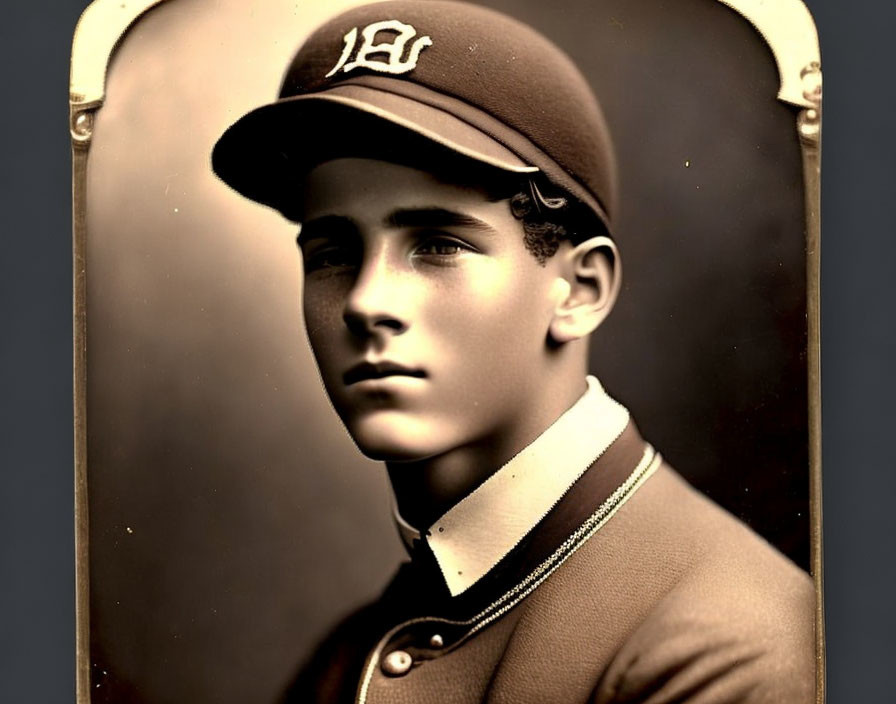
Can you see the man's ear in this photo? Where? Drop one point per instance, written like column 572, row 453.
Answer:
column 593, row 274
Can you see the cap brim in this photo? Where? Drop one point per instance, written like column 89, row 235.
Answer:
column 265, row 153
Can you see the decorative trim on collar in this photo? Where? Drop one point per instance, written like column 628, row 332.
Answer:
column 473, row 536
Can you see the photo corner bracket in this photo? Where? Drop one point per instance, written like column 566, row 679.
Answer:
column 98, row 33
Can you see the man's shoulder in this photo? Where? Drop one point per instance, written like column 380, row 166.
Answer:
column 675, row 593
column 673, row 539
column 679, row 552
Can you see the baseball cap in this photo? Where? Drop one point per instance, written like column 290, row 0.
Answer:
column 422, row 77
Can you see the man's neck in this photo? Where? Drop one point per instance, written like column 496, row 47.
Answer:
column 424, row 490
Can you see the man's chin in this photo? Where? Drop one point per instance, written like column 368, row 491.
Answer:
column 393, row 437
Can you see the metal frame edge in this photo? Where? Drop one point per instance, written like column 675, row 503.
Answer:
column 98, row 33
column 790, row 33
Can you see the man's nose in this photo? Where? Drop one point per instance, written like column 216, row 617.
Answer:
column 377, row 302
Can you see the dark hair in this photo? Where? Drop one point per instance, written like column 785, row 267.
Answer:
column 549, row 219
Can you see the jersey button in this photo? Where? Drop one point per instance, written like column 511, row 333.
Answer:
column 396, row 663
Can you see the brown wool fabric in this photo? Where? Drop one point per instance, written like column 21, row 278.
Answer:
column 673, row 600
column 483, row 69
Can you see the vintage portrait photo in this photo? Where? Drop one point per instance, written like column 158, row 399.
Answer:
column 447, row 351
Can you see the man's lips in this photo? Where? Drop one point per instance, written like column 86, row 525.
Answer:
column 378, row 370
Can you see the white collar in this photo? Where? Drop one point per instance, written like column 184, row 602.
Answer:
column 484, row 526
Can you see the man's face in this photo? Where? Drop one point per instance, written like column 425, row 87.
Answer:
column 426, row 313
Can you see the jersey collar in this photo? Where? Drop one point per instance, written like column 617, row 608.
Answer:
column 476, row 533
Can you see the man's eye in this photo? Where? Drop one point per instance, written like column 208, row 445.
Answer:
column 330, row 258
column 442, row 247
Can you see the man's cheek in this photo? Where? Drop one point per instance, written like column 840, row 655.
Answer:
column 323, row 319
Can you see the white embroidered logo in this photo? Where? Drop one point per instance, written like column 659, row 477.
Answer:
column 394, row 51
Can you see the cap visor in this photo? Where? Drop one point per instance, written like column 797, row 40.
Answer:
column 265, row 153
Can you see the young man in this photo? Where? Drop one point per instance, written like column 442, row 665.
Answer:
column 454, row 181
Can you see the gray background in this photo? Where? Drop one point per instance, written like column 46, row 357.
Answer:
column 36, row 492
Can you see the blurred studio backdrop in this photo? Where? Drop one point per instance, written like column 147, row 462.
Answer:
column 232, row 520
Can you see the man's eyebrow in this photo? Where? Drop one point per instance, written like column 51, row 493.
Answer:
column 435, row 217
column 327, row 226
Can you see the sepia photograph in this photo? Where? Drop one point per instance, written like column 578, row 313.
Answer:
column 447, row 351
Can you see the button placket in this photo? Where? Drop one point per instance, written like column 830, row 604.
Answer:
column 416, row 643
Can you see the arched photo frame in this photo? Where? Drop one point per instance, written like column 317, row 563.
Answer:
column 224, row 520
